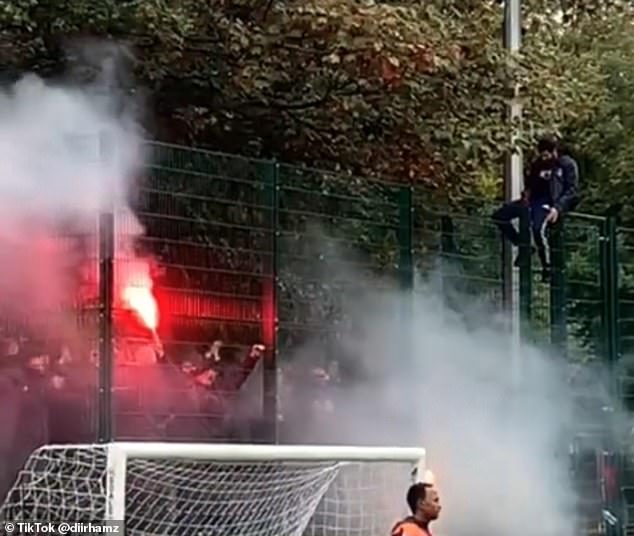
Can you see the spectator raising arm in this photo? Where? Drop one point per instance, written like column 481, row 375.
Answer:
column 256, row 352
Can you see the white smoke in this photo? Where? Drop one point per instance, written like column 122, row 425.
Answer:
column 64, row 157
column 63, row 152
column 493, row 440
column 445, row 380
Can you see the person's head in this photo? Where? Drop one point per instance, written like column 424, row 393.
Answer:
column 204, row 350
column 320, row 376
column 58, row 382
column 36, row 357
column 548, row 148
column 188, row 366
column 423, row 501
column 205, row 377
column 228, row 354
column 65, row 356
column 12, row 348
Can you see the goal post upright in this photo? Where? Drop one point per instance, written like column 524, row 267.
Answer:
column 115, row 483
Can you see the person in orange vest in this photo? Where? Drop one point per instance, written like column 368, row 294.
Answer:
column 424, row 502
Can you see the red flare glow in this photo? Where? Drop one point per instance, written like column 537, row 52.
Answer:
column 137, row 291
column 143, row 303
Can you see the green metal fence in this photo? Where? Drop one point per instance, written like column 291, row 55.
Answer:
column 265, row 236
column 251, row 251
column 280, row 245
column 256, row 250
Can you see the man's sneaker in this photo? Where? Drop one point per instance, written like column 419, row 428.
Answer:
column 523, row 260
column 547, row 274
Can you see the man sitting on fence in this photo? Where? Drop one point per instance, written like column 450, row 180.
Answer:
column 551, row 189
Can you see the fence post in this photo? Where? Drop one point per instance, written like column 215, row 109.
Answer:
column 106, row 245
column 609, row 267
column 558, row 313
column 106, row 332
column 516, row 291
column 405, row 238
column 526, row 275
column 447, row 249
column 406, row 271
column 270, row 174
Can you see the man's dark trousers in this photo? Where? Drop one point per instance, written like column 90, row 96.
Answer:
column 537, row 213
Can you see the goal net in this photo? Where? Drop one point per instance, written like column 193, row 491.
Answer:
column 218, row 490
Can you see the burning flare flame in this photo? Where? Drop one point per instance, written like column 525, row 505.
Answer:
column 137, row 291
column 142, row 301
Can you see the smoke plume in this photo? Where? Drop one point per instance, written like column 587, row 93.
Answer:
column 496, row 437
column 66, row 153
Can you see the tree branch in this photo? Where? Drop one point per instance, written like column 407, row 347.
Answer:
column 172, row 89
column 267, row 10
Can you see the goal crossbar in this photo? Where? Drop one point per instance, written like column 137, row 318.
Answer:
column 253, row 453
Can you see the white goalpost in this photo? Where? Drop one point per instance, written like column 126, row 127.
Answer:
column 218, row 489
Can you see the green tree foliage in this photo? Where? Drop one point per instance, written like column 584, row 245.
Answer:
column 410, row 90
column 602, row 31
column 406, row 89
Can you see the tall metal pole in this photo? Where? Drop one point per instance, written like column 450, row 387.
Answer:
column 106, row 358
column 513, row 179
column 106, row 239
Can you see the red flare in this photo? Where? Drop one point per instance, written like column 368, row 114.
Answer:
column 142, row 301
column 137, row 291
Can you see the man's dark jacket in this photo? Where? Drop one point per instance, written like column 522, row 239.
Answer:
column 564, row 181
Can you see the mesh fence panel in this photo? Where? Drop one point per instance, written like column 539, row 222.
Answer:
column 207, row 240
column 460, row 254
column 337, row 241
column 566, row 309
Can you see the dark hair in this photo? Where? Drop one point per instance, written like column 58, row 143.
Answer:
column 417, row 492
column 33, row 349
column 191, row 358
column 229, row 354
column 202, row 349
column 548, row 143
